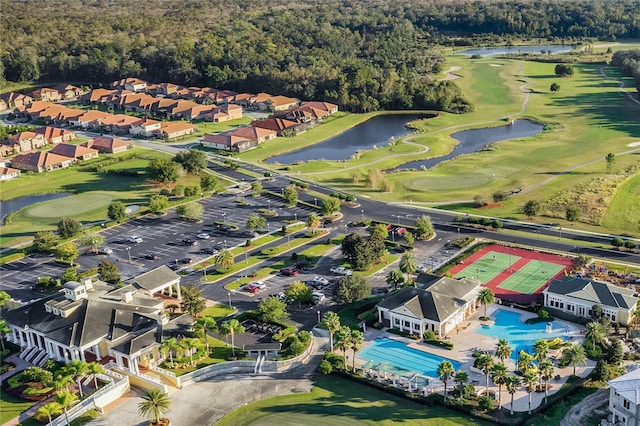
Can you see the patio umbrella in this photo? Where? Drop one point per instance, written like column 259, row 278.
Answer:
column 385, row 367
column 367, row 366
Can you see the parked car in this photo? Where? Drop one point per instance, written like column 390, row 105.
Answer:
column 189, row 242
column 173, row 266
column 327, row 221
column 289, row 272
column 319, row 281
column 249, row 288
column 151, row 256
column 104, row 250
column 259, row 284
column 341, row 270
column 209, row 250
column 187, row 260
column 204, row 236
column 134, row 239
column 222, row 227
column 317, row 297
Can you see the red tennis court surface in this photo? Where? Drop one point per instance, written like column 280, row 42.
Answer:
column 501, row 281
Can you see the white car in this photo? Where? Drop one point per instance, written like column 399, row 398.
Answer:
column 134, row 239
column 317, row 296
column 204, row 236
column 341, row 270
column 258, row 284
column 317, row 280
column 104, row 250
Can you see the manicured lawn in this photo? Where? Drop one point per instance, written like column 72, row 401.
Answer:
column 11, row 407
column 338, row 401
column 625, row 206
column 219, row 352
column 217, row 311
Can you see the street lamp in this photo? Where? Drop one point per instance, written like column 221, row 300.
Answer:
column 346, row 229
column 362, row 211
column 315, row 201
column 225, row 244
column 560, row 229
column 269, row 201
column 295, row 215
column 224, row 214
column 398, row 219
column 128, row 249
column 229, row 293
column 318, row 317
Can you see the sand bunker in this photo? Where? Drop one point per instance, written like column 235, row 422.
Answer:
column 449, row 74
column 495, row 65
column 634, row 144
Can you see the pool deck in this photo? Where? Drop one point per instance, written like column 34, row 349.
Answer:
column 465, row 341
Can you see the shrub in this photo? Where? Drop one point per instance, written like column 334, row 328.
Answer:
column 304, row 336
column 37, row 374
column 485, row 403
column 336, row 361
column 325, row 367
column 429, row 335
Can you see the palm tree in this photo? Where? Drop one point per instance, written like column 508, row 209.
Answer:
column 461, row 378
column 594, row 333
column 169, row 346
column 155, row 404
column 190, row 345
column 525, row 361
column 202, row 326
column 445, row 373
column 546, row 371
column 357, row 339
column 4, row 329
column 484, row 362
column 503, row 350
column 512, row 383
column 313, row 222
column 79, row 369
column 231, row 328
column 66, row 399
column 541, row 350
column 408, row 265
column 95, row 368
column 574, row 355
column 395, row 278
column 62, row 381
column 331, row 323
column 344, row 341
column 485, row 297
column 224, row 259
column 50, row 410
column 529, row 380
column 499, row 374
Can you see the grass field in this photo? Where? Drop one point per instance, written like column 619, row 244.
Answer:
column 341, row 402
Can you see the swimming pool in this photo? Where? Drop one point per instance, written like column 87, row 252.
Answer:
column 521, row 336
column 403, row 358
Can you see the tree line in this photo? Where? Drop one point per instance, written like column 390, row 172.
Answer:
column 629, row 63
column 361, row 55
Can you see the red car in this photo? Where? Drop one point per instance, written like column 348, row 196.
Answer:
column 251, row 289
column 289, row 272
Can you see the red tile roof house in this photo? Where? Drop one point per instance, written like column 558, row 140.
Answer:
column 166, row 88
column 3, row 105
column 145, row 127
column 225, row 112
column 54, row 135
column 311, row 111
column 253, row 133
column 109, row 145
column 39, row 162
column 96, row 96
column 33, row 109
column 88, row 118
column 78, row 152
column 118, row 124
column 274, row 103
column 175, row 130
column 27, row 141
column 67, row 91
column 131, row 83
column 15, row 100
column 242, row 99
column 228, row 142
column 7, row 173
column 46, row 94
column 281, row 126
column 8, row 148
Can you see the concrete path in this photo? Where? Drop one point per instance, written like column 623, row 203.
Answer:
column 204, row 403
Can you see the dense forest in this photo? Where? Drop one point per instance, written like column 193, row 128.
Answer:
column 629, row 63
column 361, row 54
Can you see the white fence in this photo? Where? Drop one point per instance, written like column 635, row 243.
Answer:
column 117, row 387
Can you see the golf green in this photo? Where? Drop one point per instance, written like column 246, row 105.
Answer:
column 74, row 205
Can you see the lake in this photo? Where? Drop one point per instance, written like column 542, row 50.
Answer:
column 9, row 206
column 503, row 50
column 375, row 132
column 474, row 140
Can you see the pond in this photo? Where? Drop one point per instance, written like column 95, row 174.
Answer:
column 9, row 206
column 474, row 140
column 376, row 131
column 503, row 50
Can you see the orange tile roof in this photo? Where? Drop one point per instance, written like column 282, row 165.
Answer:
column 176, row 126
column 52, row 132
column 71, row 150
column 282, row 100
column 93, row 115
column 39, row 158
column 106, row 143
column 252, row 132
column 224, row 139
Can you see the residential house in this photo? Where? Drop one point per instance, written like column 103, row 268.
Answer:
column 624, row 399
column 91, row 321
column 39, row 162
column 577, row 296
column 27, row 141
column 33, row 109
column 166, row 89
column 68, row 91
column 256, row 134
column 267, row 102
column 219, row 97
column 8, row 148
column 117, row 124
column 281, row 126
column 163, row 106
column 242, row 99
column 225, row 112
column 16, row 100
column 3, row 104
column 7, row 173
column 438, row 304
column 109, row 145
column 175, row 130
column 67, row 115
column 89, row 119
column 55, row 135
column 312, row 111
column 79, row 152
column 97, row 96
column 145, row 127
column 228, row 142
column 133, row 84
column 46, row 94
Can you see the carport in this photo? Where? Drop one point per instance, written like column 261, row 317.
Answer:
column 158, row 280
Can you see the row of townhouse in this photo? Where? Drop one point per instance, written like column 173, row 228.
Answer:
column 103, row 121
column 64, row 154
column 61, row 92
column 34, row 139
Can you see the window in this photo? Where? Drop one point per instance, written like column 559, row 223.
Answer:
column 626, row 404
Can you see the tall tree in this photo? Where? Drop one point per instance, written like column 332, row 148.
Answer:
column 158, row 203
column 4, row 330
column 193, row 302
column 485, row 362
column 343, row 342
column 424, row 227
column 503, row 350
column 529, row 380
column 192, row 211
column 231, row 328
column 499, row 374
column 256, row 188
column 109, row 272
column 357, row 339
column 461, row 378
column 298, row 292
column 79, row 369
column 351, row 289
column 95, row 368
column 168, row 347
column 512, row 383
column 485, row 297
column 313, row 222
column 162, row 170
column 329, row 206
column 155, row 403
column 611, row 161
column 445, row 373
column 395, row 278
column 531, row 208
column 48, row 411
column 574, row 355
column 192, row 161
column 68, row 252
column 202, row 326
column 546, row 372
column 45, row 240
column 290, row 195
column 69, row 227
column 331, row 323
column 208, row 182
column 272, row 309
column 256, row 222
column 224, row 260
column 594, row 334
column 408, row 265
column 65, row 399
column 541, row 349
column 117, row 211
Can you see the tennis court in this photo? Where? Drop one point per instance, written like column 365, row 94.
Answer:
column 514, row 273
